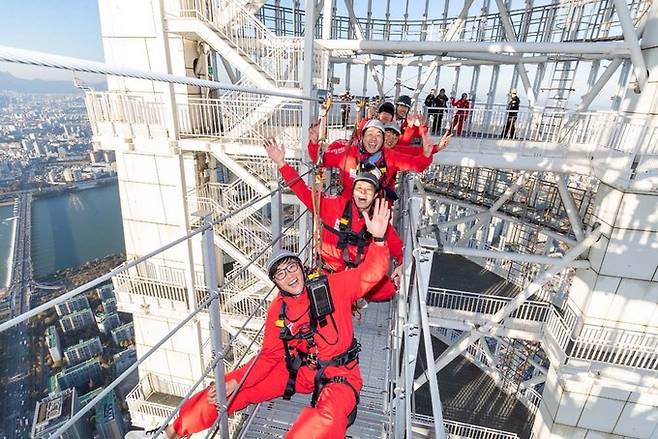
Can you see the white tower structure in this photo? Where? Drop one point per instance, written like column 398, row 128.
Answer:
column 563, row 209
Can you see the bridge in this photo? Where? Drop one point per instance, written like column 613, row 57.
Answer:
column 19, row 360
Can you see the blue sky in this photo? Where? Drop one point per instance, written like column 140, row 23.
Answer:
column 72, row 28
column 64, row 27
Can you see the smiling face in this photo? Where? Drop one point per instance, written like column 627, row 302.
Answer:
column 289, row 276
column 402, row 111
column 385, row 117
column 364, row 194
column 391, row 138
column 373, row 139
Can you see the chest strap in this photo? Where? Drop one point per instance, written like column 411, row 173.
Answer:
column 346, row 237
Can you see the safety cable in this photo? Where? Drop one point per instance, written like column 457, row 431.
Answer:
column 222, row 354
column 42, row 59
column 213, row 430
column 127, row 265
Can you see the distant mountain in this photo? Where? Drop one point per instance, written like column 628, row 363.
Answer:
column 8, row 82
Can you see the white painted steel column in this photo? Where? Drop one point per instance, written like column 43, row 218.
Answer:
column 412, row 326
column 506, row 21
column 308, row 115
column 570, row 207
column 210, row 269
column 631, row 39
column 423, row 271
column 275, row 213
column 598, row 85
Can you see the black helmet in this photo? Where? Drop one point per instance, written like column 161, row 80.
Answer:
column 404, row 100
column 387, row 107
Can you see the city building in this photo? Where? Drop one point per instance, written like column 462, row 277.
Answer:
column 110, row 305
column 87, row 397
column 77, row 320
column 95, row 156
column 54, row 344
column 77, row 303
column 107, row 321
column 79, row 375
column 109, row 422
column 123, row 360
column 52, row 412
column 83, row 351
column 52, row 176
column 123, row 332
column 68, row 175
column 106, row 292
column 39, row 149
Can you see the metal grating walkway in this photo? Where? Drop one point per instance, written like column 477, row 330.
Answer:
column 273, row 419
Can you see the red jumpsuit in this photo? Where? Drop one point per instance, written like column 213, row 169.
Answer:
column 347, row 158
column 269, row 375
column 460, row 115
column 331, row 211
column 409, row 133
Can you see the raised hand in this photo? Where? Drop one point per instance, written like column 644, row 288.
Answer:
column 314, row 133
column 397, row 275
column 275, row 151
column 372, row 112
column 378, row 224
column 443, row 143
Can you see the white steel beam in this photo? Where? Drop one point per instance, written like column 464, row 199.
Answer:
column 308, row 113
column 423, row 269
column 463, row 219
column 598, row 85
column 468, row 337
column 557, row 236
column 504, row 255
column 381, row 47
column 506, row 21
column 458, row 24
column 518, row 184
column 360, row 37
column 633, row 42
column 533, row 381
column 570, row 207
column 464, row 58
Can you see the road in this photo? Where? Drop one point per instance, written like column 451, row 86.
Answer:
column 20, row 357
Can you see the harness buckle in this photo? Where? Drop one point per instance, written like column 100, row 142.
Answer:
column 312, row 360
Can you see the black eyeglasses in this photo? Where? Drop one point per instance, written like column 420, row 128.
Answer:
column 280, row 274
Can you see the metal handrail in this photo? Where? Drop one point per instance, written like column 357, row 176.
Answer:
column 221, row 355
column 593, row 342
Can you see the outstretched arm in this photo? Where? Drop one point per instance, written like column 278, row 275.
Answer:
column 277, row 153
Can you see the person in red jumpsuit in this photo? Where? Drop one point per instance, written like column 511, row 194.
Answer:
column 296, row 349
column 344, row 238
column 384, row 113
column 350, row 158
column 461, row 114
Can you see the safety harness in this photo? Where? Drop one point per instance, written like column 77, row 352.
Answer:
column 346, row 237
column 310, row 359
column 378, row 160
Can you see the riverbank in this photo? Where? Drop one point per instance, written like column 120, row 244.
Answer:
column 8, row 235
column 70, row 278
column 53, row 191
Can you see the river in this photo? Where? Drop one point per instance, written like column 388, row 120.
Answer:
column 68, row 230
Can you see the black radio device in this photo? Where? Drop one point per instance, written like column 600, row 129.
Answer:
column 320, row 297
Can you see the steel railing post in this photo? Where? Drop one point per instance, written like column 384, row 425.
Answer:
column 276, row 217
column 210, row 268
